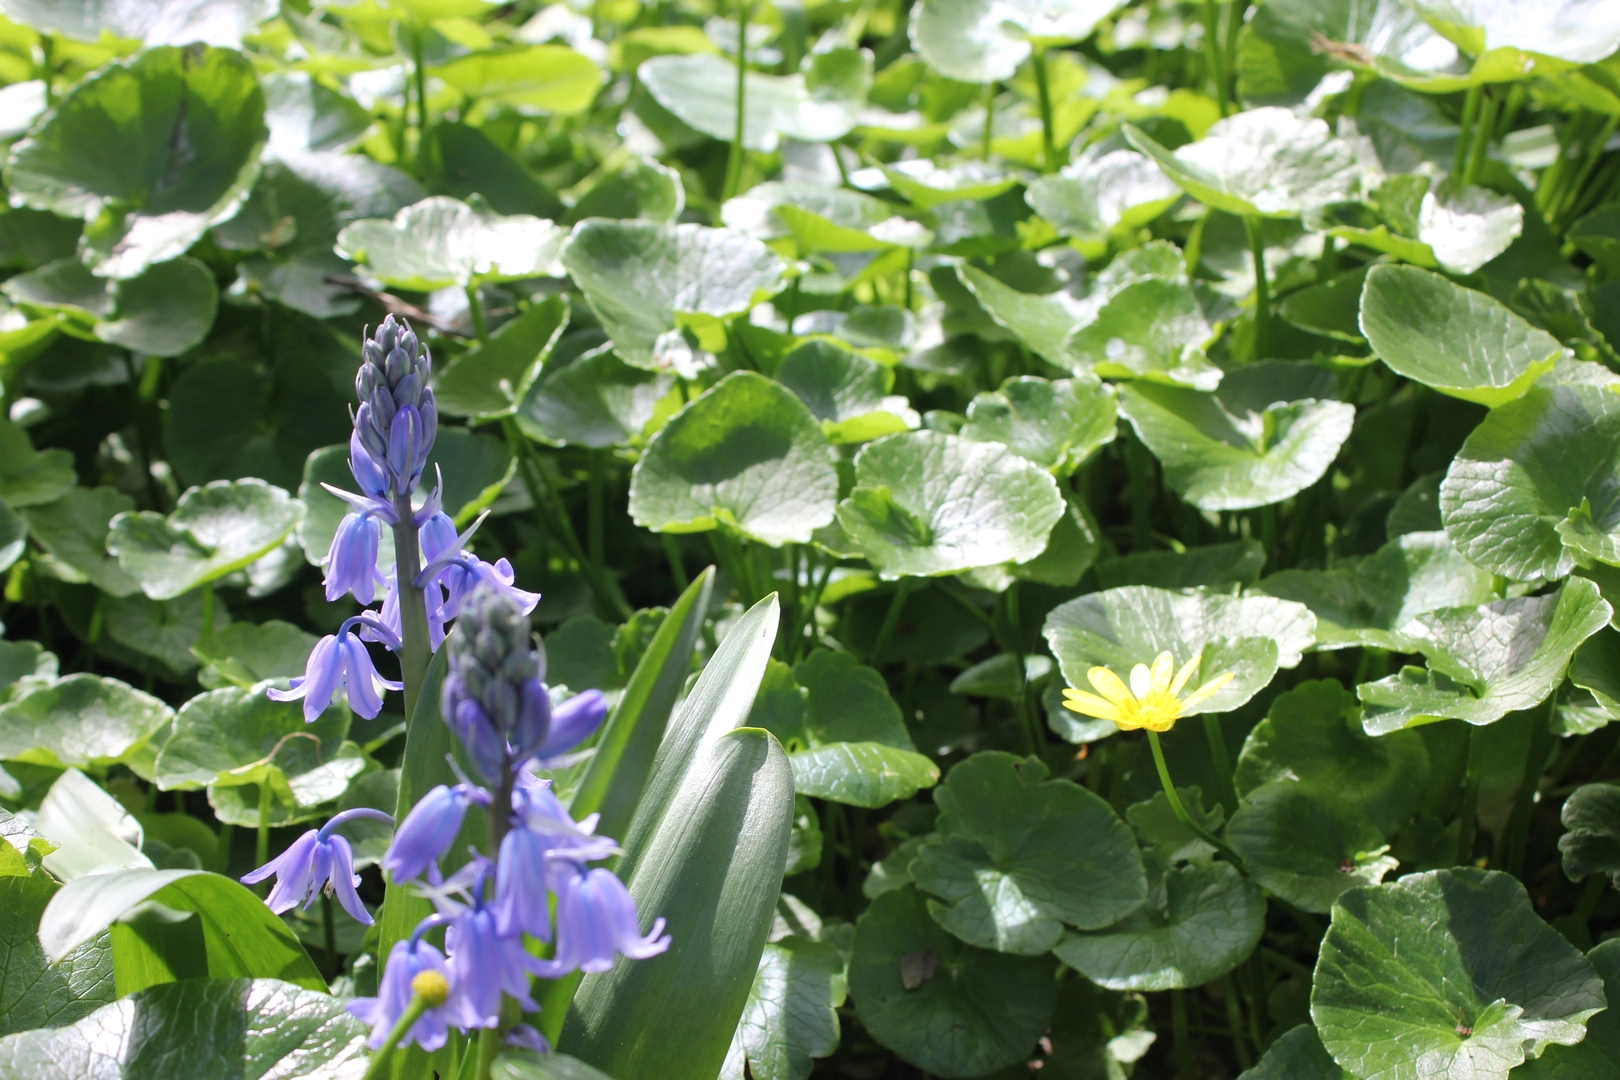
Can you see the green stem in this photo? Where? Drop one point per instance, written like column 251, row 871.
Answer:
column 1591, row 895
column 1180, row 810
column 1234, row 1022
column 46, row 67
column 1212, row 55
column 414, row 653
column 594, row 528
column 1262, row 288
column 379, row 1061
column 1465, row 128
column 1221, row 760
column 475, row 309
column 734, row 162
column 891, row 619
column 1470, row 800
column 329, row 932
column 419, row 71
column 1517, row 831
column 807, row 612
column 1483, row 130
column 1182, row 1033
column 1569, row 196
column 261, row 839
column 677, row 569
column 207, row 613
column 989, row 120
column 1139, row 468
column 1043, row 92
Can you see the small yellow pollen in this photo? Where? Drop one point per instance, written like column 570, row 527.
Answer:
column 432, row 987
column 1151, row 699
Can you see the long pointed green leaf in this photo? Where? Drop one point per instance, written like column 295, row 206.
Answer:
column 706, row 852
column 624, row 754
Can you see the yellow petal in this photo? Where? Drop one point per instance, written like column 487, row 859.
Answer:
column 1091, row 705
column 1109, row 685
column 1186, row 672
column 1141, row 681
column 1163, row 665
column 1207, row 691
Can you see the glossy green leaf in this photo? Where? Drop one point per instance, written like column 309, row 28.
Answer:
column 244, row 653
column 1599, row 1053
column 645, row 190
column 1153, row 329
column 35, row 993
column 214, row 22
column 1307, row 845
column 1486, row 662
column 747, row 455
column 305, row 115
column 1571, row 32
column 790, row 1018
column 1043, row 323
column 72, row 531
column 1120, row 189
column 1058, row 424
column 1312, row 736
column 214, row 529
column 1160, row 831
column 442, row 241
column 927, row 184
column 629, row 741
column 1296, row 1055
column 639, row 275
column 1242, row 446
column 80, row 721
column 489, row 381
column 1591, row 843
column 205, row 1029
column 547, row 78
column 926, row 503
column 977, row 41
column 515, row 1064
column 819, row 105
column 1267, row 162
column 150, row 152
column 1208, row 921
column 1251, row 636
column 242, row 937
column 1017, row 856
column 597, row 401
column 1460, row 342
column 30, row 477
column 1214, row 565
column 163, row 310
column 945, row 1006
column 706, row 851
column 1449, row 967
column 1529, row 491
column 1468, row 227
column 847, row 393
column 91, row 832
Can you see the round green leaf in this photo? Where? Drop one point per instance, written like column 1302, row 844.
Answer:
column 1152, row 329
column 927, row 503
column 1296, row 1055
column 1250, row 636
column 1591, row 845
column 1575, row 33
column 1041, row 322
column 150, row 151
column 831, row 212
column 1207, row 922
column 1534, row 484
column 1236, row 563
column 941, row 1004
column 305, row 115
column 162, row 311
column 927, row 185
column 1307, row 845
column 81, row 721
column 1459, row 341
column 1017, row 856
column 34, row 993
column 442, row 241
column 1244, row 445
column 490, row 380
column 1121, row 189
column 1447, row 973
column 1159, row 830
column 30, row 477
column 820, row 105
column 846, row 392
column 164, row 630
column 244, row 653
column 212, row 22
column 547, row 78
column 237, row 735
column 1312, row 736
column 1487, row 662
column 202, row 1029
column 638, row 275
column 645, row 189
column 746, row 454
column 790, row 1018
column 977, row 41
column 1267, row 162
column 214, row 529
column 1597, row 1055
column 1469, row 226
column 598, row 401
column 1057, row 425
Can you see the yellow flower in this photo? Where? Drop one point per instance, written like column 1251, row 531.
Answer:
column 1150, row 700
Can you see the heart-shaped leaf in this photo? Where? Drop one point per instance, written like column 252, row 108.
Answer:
column 1459, row 341
column 1017, row 856
column 1599, row 1053
column 1488, row 29
column 546, row 78
column 34, row 993
column 819, row 105
column 1090, row 198
column 214, row 529
column 1469, row 226
column 644, row 189
column 638, row 275
column 205, row 1029
column 163, row 311
column 149, row 151
column 1487, row 661
column 442, row 241
column 1591, row 845
column 1250, row 636
column 1212, row 564
column 305, row 115
column 746, row 454
column 30, row 477
column 1248, row 444
column 941, row 1004
column 927, row 503
column 1267, row 162
column 845, row 391
column 81, row 721
column 1449, row 968
column 245, row 653
column 1058, row 425
column 237, row 735
column 790, row 1018
column 1307, row 845
column 1207, row 922
column 598, row 401
column 978, row 41
column 1312, row 736
column 1297, row 1055
column 490, row 380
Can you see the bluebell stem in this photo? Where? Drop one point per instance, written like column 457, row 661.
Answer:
column 319, row 860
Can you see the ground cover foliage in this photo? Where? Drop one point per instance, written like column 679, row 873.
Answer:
column 863, row 391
